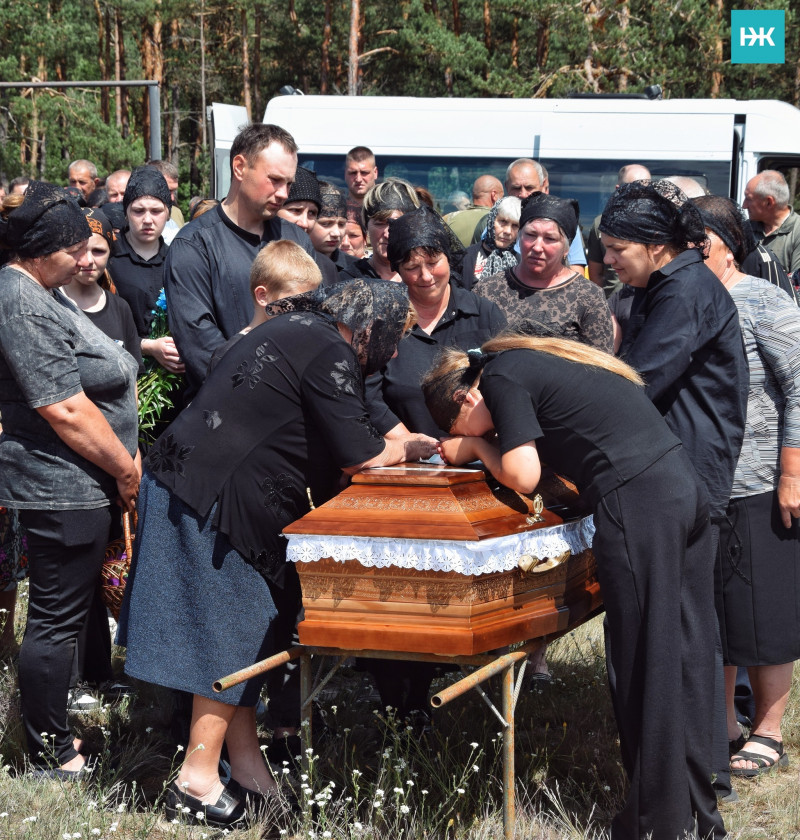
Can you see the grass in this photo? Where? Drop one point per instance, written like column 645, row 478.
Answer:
column 371, row 778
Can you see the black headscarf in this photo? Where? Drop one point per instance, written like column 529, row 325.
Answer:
column 334, row 204
column 146, row 181
column 46, row 221
column 376, row 311
column 726, row 219
column 653, row 212
column 420, row 228
column 563, row 211
column 305, row 187
column 115, row 214
column 99, row 223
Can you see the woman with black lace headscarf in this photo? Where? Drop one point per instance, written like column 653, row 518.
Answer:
column 277, row 421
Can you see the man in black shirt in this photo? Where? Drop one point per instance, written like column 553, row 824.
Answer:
column 207, row 271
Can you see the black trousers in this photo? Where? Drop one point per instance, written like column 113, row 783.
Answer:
column 655, row 565
column 65, row 553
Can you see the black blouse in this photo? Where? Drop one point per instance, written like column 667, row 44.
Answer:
column 278, row 417
column 594, row 426
column 394, row 395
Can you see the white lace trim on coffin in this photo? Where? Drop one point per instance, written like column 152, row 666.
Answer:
column 498, row 554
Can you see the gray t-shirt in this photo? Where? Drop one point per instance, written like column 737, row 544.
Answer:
column 50, row 351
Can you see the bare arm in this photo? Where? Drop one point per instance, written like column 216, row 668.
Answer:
column 789, row 485
column 519, row 468
column 82, row 427
column 398, row 451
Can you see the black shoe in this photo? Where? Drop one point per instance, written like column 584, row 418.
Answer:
column 228, row 810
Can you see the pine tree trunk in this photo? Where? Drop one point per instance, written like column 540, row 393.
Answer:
column 515, row 42
column 248, row 99
column 355, row 37
column 102, row 56
column 257, row 103
column 624, row 21
column 325, row 64
column 203, row 125
column 456, row 19
column 152, row 50
column 716, row 73
column 487, row 26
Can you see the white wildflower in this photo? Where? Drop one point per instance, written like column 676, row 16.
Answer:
column 474, row 745
column 334, row 709
column 199, row 815
column 410, row 783
column 404, row 809
column 461, row 791
column 149, row 729
column 96, row 831
column 475, row 768
column 379, row 792
column 398, row 790
column 424, row 792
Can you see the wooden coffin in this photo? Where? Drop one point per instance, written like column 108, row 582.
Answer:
column 356, row 607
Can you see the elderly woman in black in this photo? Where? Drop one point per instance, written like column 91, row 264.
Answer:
column 585, row 414
column 543, row 295
column 276, row 421
column 67, row 453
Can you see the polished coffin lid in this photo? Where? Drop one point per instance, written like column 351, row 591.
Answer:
column 424, row 501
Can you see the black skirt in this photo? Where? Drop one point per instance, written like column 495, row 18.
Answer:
column 758, row 583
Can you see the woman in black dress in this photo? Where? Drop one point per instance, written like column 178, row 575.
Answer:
column 585, row 414
column 277, row 420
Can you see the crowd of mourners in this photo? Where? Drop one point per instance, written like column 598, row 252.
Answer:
column 316, row 332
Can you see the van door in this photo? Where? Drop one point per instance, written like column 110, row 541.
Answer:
column 224, row 123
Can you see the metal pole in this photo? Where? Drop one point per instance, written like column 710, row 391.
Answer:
column 509, row 785
column 154, row 103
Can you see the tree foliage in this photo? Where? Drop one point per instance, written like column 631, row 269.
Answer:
column 243, row 51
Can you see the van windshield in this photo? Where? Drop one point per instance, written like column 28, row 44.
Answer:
column 591, row 182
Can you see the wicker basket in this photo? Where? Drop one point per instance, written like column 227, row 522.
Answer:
column 116, row 565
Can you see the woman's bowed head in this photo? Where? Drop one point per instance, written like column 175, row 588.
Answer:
column 453, row 396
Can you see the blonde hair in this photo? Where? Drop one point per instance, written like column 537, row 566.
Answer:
column 564, row 348
column 283, row 268
column 447, row 384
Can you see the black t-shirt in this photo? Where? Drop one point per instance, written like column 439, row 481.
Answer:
column 394, row 395
column 138, row 281
column 278, row 417
column 116, row 321
column 594, row 426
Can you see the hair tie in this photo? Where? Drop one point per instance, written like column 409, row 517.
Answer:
column 477, row 358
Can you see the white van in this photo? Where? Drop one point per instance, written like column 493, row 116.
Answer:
column 444, row 144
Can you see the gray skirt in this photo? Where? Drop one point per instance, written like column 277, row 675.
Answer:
column 194, row 610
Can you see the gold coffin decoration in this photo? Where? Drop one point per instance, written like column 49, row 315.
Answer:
column 356, row 607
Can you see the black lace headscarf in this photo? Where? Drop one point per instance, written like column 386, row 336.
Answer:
column 47, row 221
column 377, row 312
column 725, row 217
column 653, row 212
column 333, row 204
column 499, row 259
column 420, row 228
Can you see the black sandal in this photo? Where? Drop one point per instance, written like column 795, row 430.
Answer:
column 737, row 744
column 764, row 762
